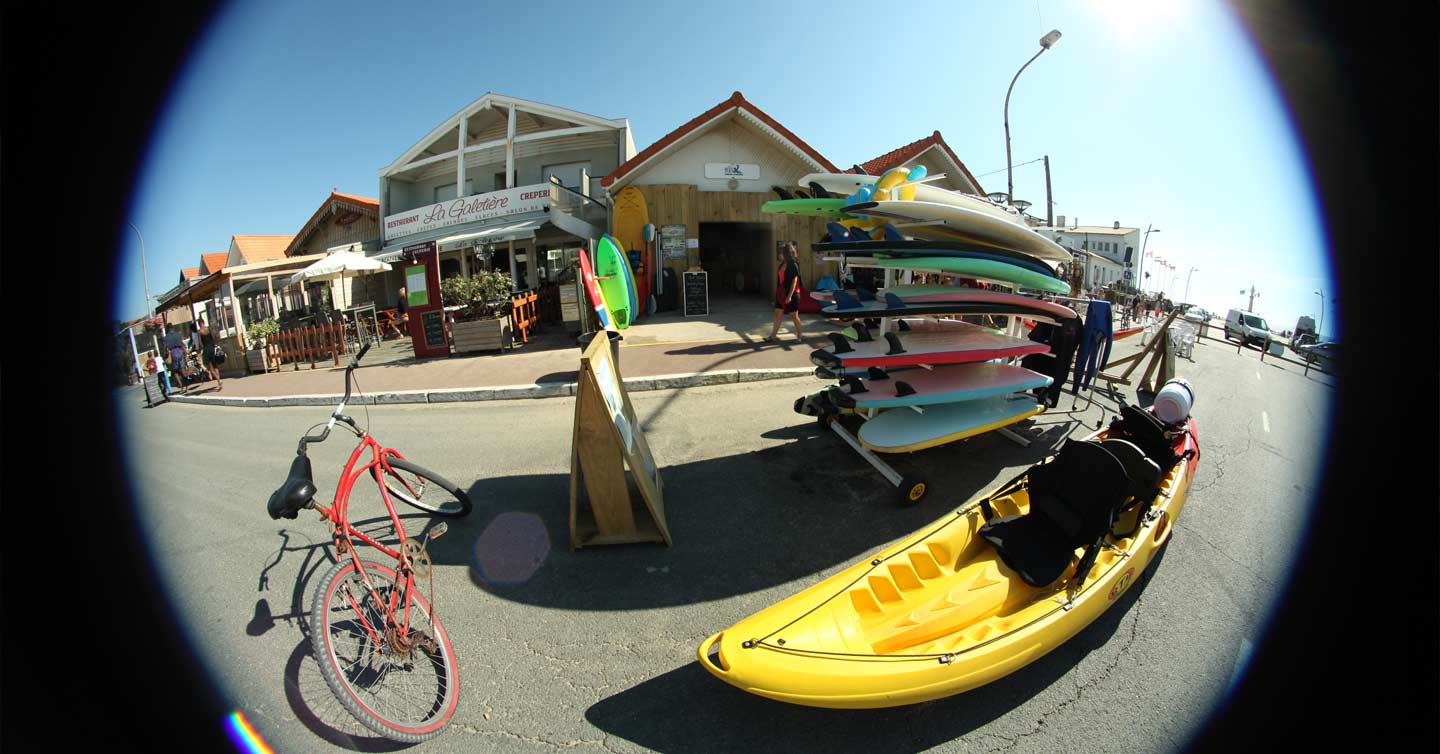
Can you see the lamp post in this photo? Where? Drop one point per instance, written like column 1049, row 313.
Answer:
column 1187, row 282
column 1148, row 230
column 1046, row 42
column 1321, row 327
column 143, row 270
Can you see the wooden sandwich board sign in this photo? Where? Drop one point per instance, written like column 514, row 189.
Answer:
column 608, row 458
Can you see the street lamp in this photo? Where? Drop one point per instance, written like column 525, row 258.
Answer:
column 1148, row 230
column 1320, row 328
column 1046, row 42
column 1187, row 282
column 143, row 271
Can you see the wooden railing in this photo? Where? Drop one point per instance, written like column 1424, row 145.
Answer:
column 307, row 343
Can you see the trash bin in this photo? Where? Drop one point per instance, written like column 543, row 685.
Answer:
column 584, row 341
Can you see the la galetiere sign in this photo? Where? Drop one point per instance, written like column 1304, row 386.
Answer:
column 468, row 209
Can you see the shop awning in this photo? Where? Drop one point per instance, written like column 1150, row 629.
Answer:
column 200, row 290
column 508, row 232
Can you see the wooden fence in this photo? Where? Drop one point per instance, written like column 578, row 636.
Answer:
column 309, row 343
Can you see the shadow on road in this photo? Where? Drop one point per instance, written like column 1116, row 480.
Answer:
column 739, row 523
column 721, row 718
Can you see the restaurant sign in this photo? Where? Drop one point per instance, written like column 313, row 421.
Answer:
column 468, row 209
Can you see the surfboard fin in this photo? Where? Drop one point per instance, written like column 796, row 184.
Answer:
column 894, row 302
column 800, row 194
column 895, row 346
column 825, row 373
column 841, row 346
column 853, row 385
column 782, row 193
column 903, row 326
column 858, row 170
column 822, row 358
column 818, row 191
column 862, row 333
column 838, row 232
column 865, row 294
column 844, row 300
column 876, row 373
column 837, row 397
column 903, row 389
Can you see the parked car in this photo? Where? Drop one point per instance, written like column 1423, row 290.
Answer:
column 1325, row 355
column 1248, row 327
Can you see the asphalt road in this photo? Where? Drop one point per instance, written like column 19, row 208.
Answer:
column 595, row 649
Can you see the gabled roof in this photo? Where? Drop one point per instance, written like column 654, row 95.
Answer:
column 897, row 157
column 333, row 205
column 261, row 248
column 213, row 262
column 489, row 100
column 189, row 273
column 702, row 122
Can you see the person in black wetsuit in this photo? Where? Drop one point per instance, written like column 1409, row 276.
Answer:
column 787, row 292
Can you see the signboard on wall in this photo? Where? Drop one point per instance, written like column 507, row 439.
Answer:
column 740, row 170
column 672, row 241
column 468, row 209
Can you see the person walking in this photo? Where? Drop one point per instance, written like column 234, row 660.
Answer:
column 175, row 354
column 787, row 292
column 401, row 317
column 207, row 353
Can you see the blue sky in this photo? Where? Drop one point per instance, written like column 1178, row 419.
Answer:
column 1153, row 112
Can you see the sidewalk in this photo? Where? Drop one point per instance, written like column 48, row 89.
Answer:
column 665, row 350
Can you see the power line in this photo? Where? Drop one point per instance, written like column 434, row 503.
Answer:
column 1001, row 170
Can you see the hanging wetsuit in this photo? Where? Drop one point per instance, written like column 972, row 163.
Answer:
column 1063, row 339
column 1098, row 333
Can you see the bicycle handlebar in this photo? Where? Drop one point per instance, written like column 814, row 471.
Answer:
column 354, row 363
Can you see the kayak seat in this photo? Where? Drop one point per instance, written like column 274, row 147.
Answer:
column 1143, row 472
column 1074, row 500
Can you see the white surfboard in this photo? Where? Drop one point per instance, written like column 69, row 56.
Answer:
column 946, row 384
column 846, row 184
column 902, row 430
column 969, row 221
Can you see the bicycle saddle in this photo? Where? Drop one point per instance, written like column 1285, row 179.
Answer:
column 297, row 491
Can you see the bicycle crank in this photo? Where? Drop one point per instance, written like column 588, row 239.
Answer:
column 414, row 550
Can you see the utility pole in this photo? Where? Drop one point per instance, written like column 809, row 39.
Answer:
column 1250, row 307
column 1049, row 202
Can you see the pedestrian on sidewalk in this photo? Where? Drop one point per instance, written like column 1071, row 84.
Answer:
column 401, row 315
column 787, row 292
column 208, row 347
column 175, row 351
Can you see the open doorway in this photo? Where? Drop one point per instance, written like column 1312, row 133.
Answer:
column 740, row 258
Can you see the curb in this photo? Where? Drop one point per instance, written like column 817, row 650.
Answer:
column 504, row 392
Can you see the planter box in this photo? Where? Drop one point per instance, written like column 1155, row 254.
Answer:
column 481, row 335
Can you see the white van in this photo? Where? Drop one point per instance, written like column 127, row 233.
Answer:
column 1248, row 327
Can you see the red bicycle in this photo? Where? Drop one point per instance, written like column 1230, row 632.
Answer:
column 376, row 637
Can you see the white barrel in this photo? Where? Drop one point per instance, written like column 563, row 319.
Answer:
column 1173, row 402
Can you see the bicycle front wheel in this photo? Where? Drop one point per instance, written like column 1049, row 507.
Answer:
column 424, row 489
column 400, row 682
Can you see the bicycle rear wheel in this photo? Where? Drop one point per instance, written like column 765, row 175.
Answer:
column 417, row 486
column 406, row 694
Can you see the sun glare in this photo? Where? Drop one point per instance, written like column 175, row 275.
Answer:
column 1131, row 20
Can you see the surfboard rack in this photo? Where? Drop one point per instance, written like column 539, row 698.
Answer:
column 912, row 489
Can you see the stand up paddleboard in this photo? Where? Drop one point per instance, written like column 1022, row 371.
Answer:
column 587, row 274
column 953, row 301
column 847, row 184
column 612, row 275
column 955, row 383
column 919, row 248
column 979, row 269
column 950, row 346
column 631, row 215
column 902, row 430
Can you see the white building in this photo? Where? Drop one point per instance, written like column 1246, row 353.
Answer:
column 1112, row 251
column 504, row 183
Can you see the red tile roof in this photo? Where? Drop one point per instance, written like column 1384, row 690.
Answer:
column 190, row 273
column 361, row 204
column 214, row 262
column 736, row 100
column 262, row 248
column 897, row 157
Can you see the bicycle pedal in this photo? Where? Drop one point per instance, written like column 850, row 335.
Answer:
column 439, row 529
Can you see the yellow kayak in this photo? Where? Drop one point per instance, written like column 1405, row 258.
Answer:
column 980, row 593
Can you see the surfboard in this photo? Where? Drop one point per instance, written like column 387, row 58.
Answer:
column 920, row 296
column 898, row 308
column 947, row 384
column 980, row 269
column 846, row 184
column 1033, row 265
column 902, row 430
column 965, row 219
column 955, row 345
column 587, row 274
column 932, row 248
column 631, row 215
column 829, row 208
column 612, row 276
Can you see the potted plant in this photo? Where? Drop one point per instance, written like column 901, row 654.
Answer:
column 483, row 324
column 257, row 334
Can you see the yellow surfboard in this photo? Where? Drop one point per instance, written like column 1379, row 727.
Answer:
column 631, row 216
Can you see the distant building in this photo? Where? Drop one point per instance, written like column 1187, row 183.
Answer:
column 1111, row 250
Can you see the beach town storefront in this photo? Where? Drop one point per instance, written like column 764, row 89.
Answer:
column 703, row 185
column 505, row 184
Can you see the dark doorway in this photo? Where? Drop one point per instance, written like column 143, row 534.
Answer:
column 740, row 258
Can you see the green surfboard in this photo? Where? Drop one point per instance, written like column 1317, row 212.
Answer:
column 980, row 269
column 612, row 274
column 829, row 208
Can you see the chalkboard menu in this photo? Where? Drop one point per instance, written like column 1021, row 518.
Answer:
column 434, row 325
column 697, row 294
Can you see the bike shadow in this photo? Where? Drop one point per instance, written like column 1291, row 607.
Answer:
column 721, row 718
column 316, row 707
column 739, row 523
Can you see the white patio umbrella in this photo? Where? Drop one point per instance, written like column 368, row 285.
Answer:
column 345, row 264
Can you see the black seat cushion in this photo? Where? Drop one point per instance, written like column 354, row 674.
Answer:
column 1143, row 471
column 1073, row 503
column 297, row 491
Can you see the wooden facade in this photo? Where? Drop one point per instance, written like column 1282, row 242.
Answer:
column 684, row 204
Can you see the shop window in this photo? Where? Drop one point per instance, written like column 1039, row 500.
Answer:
column 447, row 192
column 449, row 268
column 500, row 179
